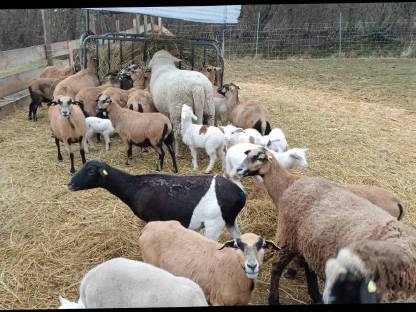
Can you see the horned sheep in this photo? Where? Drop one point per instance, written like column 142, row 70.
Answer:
column 170, row 87
column 197, row 136
column 316, row 216
column 125, row 283
column 142, row 129
column 212, row 202
column 226, row 272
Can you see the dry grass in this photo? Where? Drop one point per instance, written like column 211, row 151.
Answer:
column 50, row 237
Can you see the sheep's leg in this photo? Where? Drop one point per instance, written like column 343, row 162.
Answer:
column 98, row 137
column 68, row 148
column 212, row 159
column 83, row 145
column 175, row 117
column 283, row 258
column 159, row 149
column 59, row 149
column 194, row 154
column 107, row 141
column 234, row 230
column 88, row 138
column 221, row 155
column 35, row 111
column 30, row 110
column 312, row 283
column 213, row 228
column 172, row 155
column 129, row 152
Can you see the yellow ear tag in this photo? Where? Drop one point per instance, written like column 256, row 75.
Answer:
column 371, row 287
column 103, row 172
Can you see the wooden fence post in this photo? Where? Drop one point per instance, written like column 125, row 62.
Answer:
column 159, row 24
column 145, row 24
column 118, row 25
column 46, row 39
column 138, row 23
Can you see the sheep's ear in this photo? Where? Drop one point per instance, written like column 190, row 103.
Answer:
column 294, row 156
column 268, row 244
column 230, row 243
column 103, row 172
column 247, row 152
column 221, row 128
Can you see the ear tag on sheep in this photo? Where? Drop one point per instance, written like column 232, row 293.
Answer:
column 371, row 287
column 103, row 172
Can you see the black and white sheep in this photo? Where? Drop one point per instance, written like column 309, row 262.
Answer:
column 212, row 202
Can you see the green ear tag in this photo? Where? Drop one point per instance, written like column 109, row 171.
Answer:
column 103, row 172
column 371, row 287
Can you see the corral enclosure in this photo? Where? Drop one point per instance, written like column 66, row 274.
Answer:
column 357, row 117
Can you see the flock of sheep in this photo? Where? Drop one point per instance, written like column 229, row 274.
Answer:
column 349, row 236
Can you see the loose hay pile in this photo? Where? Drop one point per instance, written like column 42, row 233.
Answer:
column 50, row 237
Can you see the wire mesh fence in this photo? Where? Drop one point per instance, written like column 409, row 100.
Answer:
column 311, row 40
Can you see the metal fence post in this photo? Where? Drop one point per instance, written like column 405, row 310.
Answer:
column 257, row 32
column 340, row 34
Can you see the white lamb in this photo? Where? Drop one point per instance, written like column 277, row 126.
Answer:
column 124, row 283
column 237, row 153
column 234, row 135
column 101, row 126
column 275, row 140
column 197, row 136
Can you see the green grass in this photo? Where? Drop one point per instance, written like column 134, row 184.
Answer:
column 21, row 68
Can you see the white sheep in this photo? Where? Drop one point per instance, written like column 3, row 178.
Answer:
column 98, row 125
column 237, row 153
column 275, row 140
column 197, row 136
column 234, row 135
column 124, row 283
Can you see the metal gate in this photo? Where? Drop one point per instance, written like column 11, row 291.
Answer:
column 116, row 50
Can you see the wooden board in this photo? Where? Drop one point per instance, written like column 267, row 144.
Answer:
column 18, row 82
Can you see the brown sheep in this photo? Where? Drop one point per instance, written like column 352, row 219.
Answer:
column 245, row 115
column 88, row 96
column 57, row 73
column 71, row 85
column 141, row 101
column 41, row 90
column 142, row 129
column 317, row 216
column 67, row 123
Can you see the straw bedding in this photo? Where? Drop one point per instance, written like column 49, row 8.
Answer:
column 50, row 237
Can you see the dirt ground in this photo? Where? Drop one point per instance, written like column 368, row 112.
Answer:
column 357, row 117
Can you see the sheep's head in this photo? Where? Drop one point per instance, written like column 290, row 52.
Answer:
column 163, row 57
column 228, row 88
column 103, row 102
column 257, row 162
column 65, row 105
column 250, row 248
column 347, row 280
column 229, row 132
column 187, row 113
column 299, row 156
column 93, row 174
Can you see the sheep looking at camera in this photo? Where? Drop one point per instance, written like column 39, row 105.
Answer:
column 225, row 272
column 125, row 283
column 196, row 136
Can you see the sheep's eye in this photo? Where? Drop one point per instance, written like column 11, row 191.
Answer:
column 260, row 244
column 240, row 244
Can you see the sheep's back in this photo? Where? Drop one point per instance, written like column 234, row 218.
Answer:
column 246, row 115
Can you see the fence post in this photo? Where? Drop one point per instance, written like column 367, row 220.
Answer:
column 145, row 25
column 138, row 23
column 340, row 34
column 257, row 32
column 159, row 23
column 117, row 25
column 46, row 39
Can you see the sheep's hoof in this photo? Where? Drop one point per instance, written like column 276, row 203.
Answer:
column 290, row 273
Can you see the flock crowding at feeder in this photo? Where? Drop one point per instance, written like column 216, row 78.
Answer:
column 349, row 236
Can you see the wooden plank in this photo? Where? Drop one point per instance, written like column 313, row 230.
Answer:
column 18, row 82
column 10, row 58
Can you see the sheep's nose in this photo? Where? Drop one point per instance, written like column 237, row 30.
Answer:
column 252, row 266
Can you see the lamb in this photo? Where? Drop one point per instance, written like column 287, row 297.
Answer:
column 88, row 96
column 275, row 140
column 55, row 72
column 245, row 115
column 71, row 85
column 98, row 125
column 234, row 135
column 196, row 136
column 67, row 124
column 316, row 216
column 41, row 90
column 212, row 202
column 125, row 283
column 237, row 153
column 171, row 87
column 142, row 129
column 218, row 271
